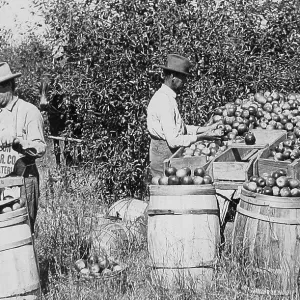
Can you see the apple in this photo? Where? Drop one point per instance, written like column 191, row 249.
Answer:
column 16, row 206
column 5, row 209
column 276, row 190
column 246, row 185
column 198, row 180
column 80, row 264
column 163, row 180
column 270, row 181
column 261, row 182
column 85, row 271
column 252, row 186
column 207, row 179
column 186, row 180
column 95, row 268
column 275, row 174
column 282, row 181
column 282, row 172
column 278, row 156
column 92, row 259
column 199, row 172
column 267, row 190
column 170, row 171
column 295, row 192
column 294, row 183
column 259, row 190
column 188, row 152
column 155, row 180
column 173, row 180
column 285, row 191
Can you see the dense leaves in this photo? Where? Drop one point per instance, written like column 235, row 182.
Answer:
column 106, row 57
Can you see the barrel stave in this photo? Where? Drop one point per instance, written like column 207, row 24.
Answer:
column 266, row 238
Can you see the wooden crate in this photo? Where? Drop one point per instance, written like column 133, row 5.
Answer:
column 264, row 138
column 268, row 165
column 234, row 164
column 178, row 161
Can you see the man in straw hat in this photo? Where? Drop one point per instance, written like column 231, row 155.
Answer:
column 21, row 138
column 165, row 125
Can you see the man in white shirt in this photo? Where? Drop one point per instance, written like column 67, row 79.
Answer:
column 21, row 138
column 165, row 125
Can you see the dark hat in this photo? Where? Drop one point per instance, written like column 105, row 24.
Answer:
column 5, row 72
column 177, row 63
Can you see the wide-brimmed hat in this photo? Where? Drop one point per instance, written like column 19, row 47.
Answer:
column 177, row 63
column 5, row 72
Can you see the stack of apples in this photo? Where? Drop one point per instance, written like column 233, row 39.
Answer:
column 275, row 184
column 183, row 176
column 288, row 150
column 263, row 109
column 208, row 149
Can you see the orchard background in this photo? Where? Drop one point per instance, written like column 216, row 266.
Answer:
column 103, row 56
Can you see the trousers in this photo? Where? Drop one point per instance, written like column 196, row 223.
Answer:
column 158, row 152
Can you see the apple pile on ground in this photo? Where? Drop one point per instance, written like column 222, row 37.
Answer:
column 266, row 110
column 275, row 184
column 287, row 150
column 97, row 265
column 183, row 176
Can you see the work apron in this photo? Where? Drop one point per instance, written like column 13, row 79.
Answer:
column 158, row 152
column 12, row 163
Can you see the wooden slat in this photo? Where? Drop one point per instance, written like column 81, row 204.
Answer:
column 264, row 138
column 11, row 181
column 181, row 190
column 230, row 171
column 250, row 154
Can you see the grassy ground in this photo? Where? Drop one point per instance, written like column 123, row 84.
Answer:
column 69, row 199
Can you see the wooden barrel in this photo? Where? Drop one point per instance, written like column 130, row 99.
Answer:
column 266, row 239
column 128, row 209
column 19, row 276
column 183, row 235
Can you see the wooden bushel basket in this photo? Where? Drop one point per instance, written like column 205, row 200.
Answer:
column 19, row 276
column 266, row 237
column 183, row 235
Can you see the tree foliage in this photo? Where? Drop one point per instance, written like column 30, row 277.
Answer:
column 107, row 55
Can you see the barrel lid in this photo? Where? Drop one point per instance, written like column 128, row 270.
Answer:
column 182, row 190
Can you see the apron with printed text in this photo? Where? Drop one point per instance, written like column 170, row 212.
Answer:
column 13, row 163
column 8, row 156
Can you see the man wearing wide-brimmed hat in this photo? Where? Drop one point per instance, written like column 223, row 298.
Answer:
column 165, row 125
column 21, row 136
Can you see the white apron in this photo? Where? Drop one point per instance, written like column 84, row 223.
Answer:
column 8, row 157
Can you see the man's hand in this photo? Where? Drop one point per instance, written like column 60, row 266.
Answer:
column 215, row 125
column 6, row 139
column 215, row 134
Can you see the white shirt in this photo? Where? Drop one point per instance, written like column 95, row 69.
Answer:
column 23, row 120
column 164, row 120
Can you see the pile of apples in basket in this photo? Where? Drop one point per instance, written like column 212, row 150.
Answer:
column 276, row 183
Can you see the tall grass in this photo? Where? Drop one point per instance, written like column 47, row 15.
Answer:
column 70, row 198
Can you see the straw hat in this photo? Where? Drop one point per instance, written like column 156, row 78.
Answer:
column 177, row 63
column 5, row 72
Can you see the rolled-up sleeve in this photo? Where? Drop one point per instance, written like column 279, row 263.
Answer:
column 34, row 135
column 169, row 127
